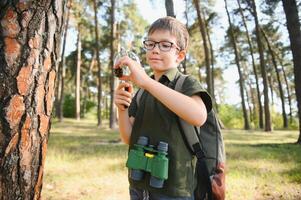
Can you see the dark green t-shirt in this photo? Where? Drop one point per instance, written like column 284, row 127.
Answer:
column 158, row 123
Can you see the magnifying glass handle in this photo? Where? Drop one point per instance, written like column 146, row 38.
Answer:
column 126, row 89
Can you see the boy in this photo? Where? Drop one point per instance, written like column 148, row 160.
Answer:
column 160, row 106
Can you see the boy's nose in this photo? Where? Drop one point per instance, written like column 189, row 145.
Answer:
column 156, row 48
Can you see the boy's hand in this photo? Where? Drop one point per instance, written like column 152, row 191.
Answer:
column 122, row 97
column 137, row 75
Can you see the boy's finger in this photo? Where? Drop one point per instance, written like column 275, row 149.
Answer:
column 123, row 61
column 123, row 102
column 120, row 86
column 125, row 78
column 130, row 88
column 117, row 63
column 125, row 93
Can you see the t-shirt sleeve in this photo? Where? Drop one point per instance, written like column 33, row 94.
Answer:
column 133, row 106
column 191, row 87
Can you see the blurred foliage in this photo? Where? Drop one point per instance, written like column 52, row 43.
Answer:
column 231, row 116
column 69, row 106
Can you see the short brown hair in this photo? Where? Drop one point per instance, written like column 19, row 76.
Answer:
column 175, row 27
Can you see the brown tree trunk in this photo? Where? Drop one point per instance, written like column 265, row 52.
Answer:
column 170, row 8
column 248, row 100
column 212, row 69
column 77, row 77
column 280, row 60
column 287, row 87
column 61, row 70
column 268, row 124
column 112, row 80
column 270, row 83
column 86, row 84
column 206, row 49
column 293, row 26
column 284, row 117
column 212, row 63
column 260, row 111
column 241, row 79
column 184, row 62
column 30, row 34
column 99, row 96
column 253, row 109
column 287, row 91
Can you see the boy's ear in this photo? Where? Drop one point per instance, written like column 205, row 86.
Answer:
column 181, row 56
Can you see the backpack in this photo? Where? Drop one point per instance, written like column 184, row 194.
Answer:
column 207, row 145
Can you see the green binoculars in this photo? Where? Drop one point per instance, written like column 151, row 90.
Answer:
column 144, row 158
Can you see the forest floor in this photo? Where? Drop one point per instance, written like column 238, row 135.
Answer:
column 84, row 162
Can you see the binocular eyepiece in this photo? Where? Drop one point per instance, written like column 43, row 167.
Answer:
column 144, row 158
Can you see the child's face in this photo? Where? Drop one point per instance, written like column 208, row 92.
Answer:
column 160, row 61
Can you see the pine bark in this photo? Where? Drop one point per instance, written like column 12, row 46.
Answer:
column 30, row 34
column 293, row 26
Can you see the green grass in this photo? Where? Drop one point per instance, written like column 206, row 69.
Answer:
column 84, row 162
column 263, row 165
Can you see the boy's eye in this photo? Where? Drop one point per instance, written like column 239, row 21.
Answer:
column 149, row 44
column 165, row 44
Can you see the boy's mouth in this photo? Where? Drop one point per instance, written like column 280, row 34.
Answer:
column 155, row 59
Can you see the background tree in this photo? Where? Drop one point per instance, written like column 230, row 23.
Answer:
column 237, row 61
column 260, row 111
column 169, row 8
column 293, row 27
column 61, row 70
column 30, row 34
column 203, row 30
column 267, row 114
column 273, row 59
column 130, row 29
column 99, row 95
column 112, row 52
column 212, row 60
column 78, row 73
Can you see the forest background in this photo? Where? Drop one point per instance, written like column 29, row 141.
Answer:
column 243, row 74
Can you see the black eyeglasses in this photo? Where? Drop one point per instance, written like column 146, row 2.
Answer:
column 163, row 45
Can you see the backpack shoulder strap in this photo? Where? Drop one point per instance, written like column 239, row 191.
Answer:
column 180, row 82
column 139, row 95
column 189, row 132
column 192, row 140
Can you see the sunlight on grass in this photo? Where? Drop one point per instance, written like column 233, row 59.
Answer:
column 87, row 163
column 263, row 165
